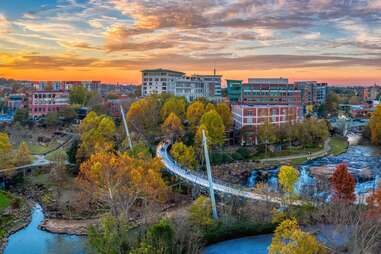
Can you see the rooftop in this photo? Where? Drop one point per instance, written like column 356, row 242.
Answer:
column 162, row 70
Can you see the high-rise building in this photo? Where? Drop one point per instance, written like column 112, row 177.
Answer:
column 234, row 90
column 312, row 92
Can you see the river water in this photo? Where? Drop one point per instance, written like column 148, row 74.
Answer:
column 32, row 240
column 357, row 157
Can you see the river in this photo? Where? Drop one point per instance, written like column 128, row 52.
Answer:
column 32, row 240
column 357, row 157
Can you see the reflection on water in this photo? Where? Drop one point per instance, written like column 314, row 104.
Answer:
column 32, row 240
column 247, row 245
column 356, row 157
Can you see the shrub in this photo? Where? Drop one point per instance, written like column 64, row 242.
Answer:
column 237, row 156
column 244, row 152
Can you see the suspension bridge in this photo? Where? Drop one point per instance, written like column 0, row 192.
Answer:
column 202, row 181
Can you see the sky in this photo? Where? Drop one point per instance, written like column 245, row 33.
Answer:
column 334, row 41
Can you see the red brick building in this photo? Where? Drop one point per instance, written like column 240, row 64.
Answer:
column 43, row 102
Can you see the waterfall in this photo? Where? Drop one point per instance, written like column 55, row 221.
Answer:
column 252, row 180
column 304, row 180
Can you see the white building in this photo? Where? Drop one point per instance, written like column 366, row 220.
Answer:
column 157, row 81
column 177, row 83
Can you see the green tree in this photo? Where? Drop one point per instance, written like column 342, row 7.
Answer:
column 5, row 151
column 23, row 155
column 159, row 239
column 185, row 155
column 109, row 237
column 290, row 239
column 200, row 213
column 195, row 112
column 223, row 109
column 68, row 113
column 267, row 134
column 21, row 116
column 80, row 95
column 140, row 150
column 215, row 126
column 97, row 133
column 287, row 177
column 51, row 119
column 375, row 126
column 332, row 103
column 173, row 105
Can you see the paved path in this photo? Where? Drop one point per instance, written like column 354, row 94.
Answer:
column 322, row 152
column 201, row 180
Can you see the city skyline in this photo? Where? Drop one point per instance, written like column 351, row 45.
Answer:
column 112, row 40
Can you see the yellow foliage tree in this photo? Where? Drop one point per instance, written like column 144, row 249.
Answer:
column 144, row 116
column 23, row 155
column 185, row 155
column 173, row 105
column 290, row 239
column 195, row 112
column 172, row 126
column 288, row 176
column 210, row 107
column 97, row 133
column 215, row 126
column 200, row 213
column 119, row 180
column 198, row 138
column 5, row 151
column 224, row 111
column 375, row 126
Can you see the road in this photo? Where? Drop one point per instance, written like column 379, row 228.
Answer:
column 173, row 167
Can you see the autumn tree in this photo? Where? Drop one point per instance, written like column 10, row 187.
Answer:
column 198, row 139
column 183, row 154
column 172, row 126
column 343, row 185
column 173, row 105
column 210, row 107
column 200, row 212
column 223, row 109
column 215, row 126
column 287, row 177
column 5, row 151
column 144, row 117
column 267, row 134
column 375, row 126
column 120, row 181
column 194, row 113
column 290, row 239
column 97, row 133
column 23, row 155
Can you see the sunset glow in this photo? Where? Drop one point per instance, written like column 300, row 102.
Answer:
column 332, row 41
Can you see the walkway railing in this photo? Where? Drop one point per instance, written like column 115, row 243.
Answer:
column 200, row 179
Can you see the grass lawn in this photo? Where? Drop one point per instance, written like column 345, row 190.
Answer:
column 338, row 145
column 39, row 149
column 54, row 154
column 287, row 152
column 5, row 201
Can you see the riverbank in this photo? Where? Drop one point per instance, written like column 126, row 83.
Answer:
column 14, row 217
column 71, row 227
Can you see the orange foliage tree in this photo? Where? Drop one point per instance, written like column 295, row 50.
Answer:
column 120, row 181
column 343, row 184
